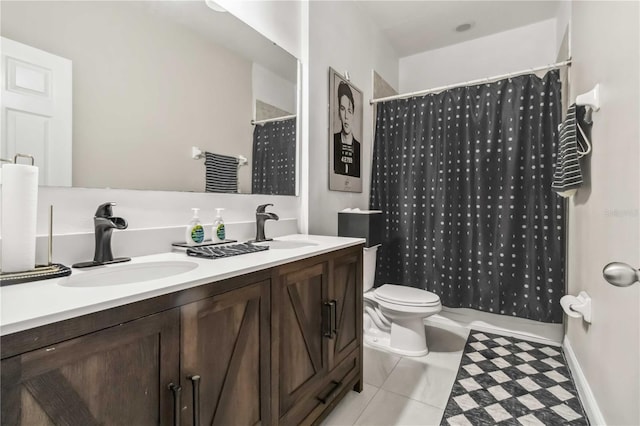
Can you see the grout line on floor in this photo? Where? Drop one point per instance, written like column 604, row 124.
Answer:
column 391, row 372
column 408, row 397
column 367, row 405
column 413, row 399
column 378, row 388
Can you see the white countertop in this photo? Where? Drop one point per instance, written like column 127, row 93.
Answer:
column 28, row 305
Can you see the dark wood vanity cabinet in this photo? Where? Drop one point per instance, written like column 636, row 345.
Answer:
column 116, row 376
column 346, row 291
column 278, row 346
column 318, row 346
column 225, row 358
column 300, row 348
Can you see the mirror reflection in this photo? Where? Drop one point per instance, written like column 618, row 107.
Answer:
column 160, row 95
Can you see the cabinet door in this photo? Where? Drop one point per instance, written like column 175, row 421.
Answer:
column 117, row 376
column 345, row 290
column 302, row 348
column 226, row 357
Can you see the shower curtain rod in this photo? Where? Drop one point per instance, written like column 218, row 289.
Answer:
column 472, row 82
column 269, row 120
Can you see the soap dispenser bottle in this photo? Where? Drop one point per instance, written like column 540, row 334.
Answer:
column 195, row 232
column 219, row 234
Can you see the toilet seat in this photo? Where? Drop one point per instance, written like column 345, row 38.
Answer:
column 406, row 296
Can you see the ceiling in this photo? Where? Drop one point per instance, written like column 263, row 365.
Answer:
column 416, row 26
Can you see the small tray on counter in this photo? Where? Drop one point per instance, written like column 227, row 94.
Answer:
column 43, row 272
column 225, row 251
column 204, row 244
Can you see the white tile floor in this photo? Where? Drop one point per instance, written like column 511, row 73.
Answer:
column 405, row 390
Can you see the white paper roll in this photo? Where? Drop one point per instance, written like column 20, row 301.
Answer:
column 577, row 306
column 567, row 302
column 19, row 215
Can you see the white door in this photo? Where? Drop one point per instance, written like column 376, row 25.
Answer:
column 36, row 110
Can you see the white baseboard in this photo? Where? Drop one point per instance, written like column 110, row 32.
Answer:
column 550, row 334
column 584, row 390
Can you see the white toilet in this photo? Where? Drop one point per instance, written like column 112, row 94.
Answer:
column 394, row 314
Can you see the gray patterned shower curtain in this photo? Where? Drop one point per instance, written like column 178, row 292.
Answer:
column 274, row 158
column 464, row 180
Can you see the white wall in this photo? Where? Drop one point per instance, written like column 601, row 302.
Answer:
column 278, row 20
column 271, row 88
column 563, row 23
column 514, row 50
column 341, row 37
column 605, row 215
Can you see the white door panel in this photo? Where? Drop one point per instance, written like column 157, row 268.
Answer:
column 28, row 79
column 30, row 133
column 37, row 110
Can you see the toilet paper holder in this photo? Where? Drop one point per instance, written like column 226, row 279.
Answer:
column 30, row 157
column 577, row 306
column 15, row 159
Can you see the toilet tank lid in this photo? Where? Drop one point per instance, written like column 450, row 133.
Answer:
column 404, row 295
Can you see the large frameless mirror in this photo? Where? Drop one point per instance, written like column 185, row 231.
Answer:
column 151, row 95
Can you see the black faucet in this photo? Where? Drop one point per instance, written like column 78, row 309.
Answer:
column 261, row 217
column 104, row 223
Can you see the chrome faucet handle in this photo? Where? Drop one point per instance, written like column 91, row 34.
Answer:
column 262, row 208
column 105, row 210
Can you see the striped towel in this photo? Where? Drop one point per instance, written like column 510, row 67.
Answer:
column 222, row 173
column 567, row 176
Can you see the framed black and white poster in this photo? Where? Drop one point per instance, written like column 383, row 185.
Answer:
column 345, row 134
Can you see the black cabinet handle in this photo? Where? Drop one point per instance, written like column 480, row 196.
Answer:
column 330, row 319
column 327, row 397
column 195, row 382
column 176, row 389
column 334, row 317
column 327, row 320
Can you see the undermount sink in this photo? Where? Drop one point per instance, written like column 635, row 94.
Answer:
column 287, row 244
column 127, row 274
